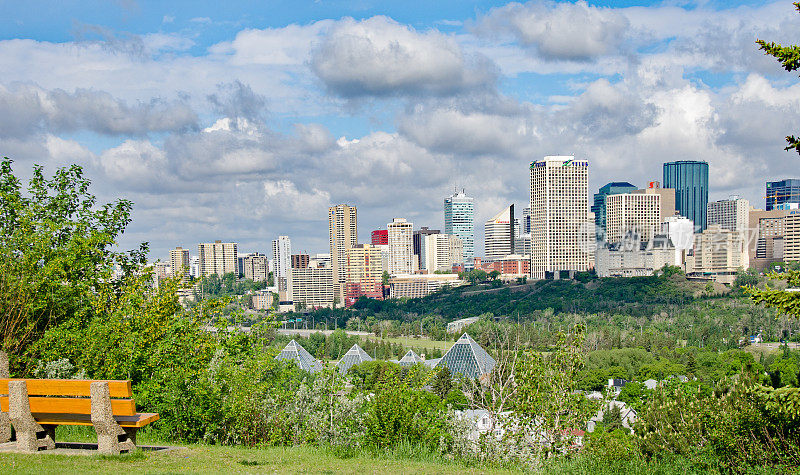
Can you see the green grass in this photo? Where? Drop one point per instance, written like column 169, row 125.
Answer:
column 213, row 459
column 411, row 342
column 406, row 458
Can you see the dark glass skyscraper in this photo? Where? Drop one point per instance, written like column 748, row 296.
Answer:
column 784, row 194
column 599, row 206
column 689, row 179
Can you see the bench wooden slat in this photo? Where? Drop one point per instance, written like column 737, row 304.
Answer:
column 136, row 420
column 119, row 407
column 68, row 387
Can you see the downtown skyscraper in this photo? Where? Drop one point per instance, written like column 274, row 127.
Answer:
column 560, row 231
column 342, row 236
column 459, row 220
column 689, row 179
column 281, row 256
column 401, row 247
column 499, row 235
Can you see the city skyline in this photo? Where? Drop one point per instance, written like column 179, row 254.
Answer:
column 224, row 123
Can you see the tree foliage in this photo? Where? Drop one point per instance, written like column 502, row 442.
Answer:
column 56, row 251
column 786, row 302
column 789, row 57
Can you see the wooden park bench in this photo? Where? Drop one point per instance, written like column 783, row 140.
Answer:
column 36, row 406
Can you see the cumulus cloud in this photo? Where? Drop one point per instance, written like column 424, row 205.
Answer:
column 28, row 109
column 187, row 138
column 287, row 46
column 559, row 31
column 236, row 99
column 380, row 57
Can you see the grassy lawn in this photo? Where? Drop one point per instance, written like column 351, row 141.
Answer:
column 213, row 459
column 411, row 342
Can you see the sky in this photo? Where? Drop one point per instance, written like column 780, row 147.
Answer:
column 242, row 121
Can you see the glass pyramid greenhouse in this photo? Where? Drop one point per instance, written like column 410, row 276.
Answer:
column 354, row 356
column 467, row 358
column 410, row 359
column 293, row 351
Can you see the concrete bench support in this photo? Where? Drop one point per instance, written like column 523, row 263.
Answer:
column 31, row 437
column 111, row 438
column 5, row 422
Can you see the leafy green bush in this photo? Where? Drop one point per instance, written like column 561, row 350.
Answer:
column 403, row 414
column 612, row 447
column 732, row 428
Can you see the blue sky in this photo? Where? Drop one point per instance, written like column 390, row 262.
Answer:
column 243, row 121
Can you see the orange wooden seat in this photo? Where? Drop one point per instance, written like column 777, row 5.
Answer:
column 68, row 402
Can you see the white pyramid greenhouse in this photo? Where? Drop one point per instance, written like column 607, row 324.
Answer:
column 293, row 351
column 467, row 358
column 354, row 356
column 410, row 359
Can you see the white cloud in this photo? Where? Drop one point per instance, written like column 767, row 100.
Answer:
column 559, row 31
column 380, row 57
column 287, row 46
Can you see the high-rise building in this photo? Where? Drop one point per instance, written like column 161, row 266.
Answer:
column 599, row 206
column 560, row 230
column 312, row 287
column 300, row 261
column 418, row 236
column 526, row 221
column 635, row 213
column 522, row 245
column 401, row 247
column 179, row 263
column 791, row 241
column 342, row 235
column 689, row 179
column 281, row 256
column 255, row 266
column 364, row 273
column 194, row 267
column 218, row 258
column 380, row 237
column 732, row 214
column 784, row 194
column 667, row 198
column 718, row 253
column 459, row 220
column 499, row 234
column 440, row 251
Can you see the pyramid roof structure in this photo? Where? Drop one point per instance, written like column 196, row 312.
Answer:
column 410, row 359
column 354, row 356
column 293, row 351
column 467, row 358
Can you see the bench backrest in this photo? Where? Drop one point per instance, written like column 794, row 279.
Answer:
column 70, row 396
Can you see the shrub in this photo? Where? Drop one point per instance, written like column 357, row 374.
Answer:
column 403, row 414
column 611, row 447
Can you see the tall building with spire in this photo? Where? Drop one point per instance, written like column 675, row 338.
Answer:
column 560, row 231
column 459, row 220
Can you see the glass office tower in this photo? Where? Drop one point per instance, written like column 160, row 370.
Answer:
column 459, row 220
column 784, row 194
column 689, row 179
column 599, row 206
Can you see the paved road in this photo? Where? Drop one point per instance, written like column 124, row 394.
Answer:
column 306, row 333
